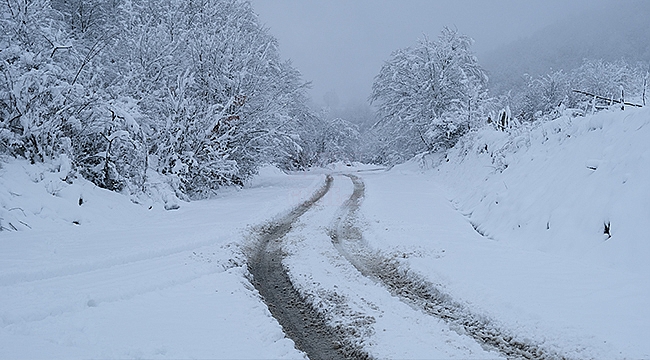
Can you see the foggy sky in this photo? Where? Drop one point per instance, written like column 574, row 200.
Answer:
column 340, row 45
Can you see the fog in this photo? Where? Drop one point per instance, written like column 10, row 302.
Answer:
column 340, row 45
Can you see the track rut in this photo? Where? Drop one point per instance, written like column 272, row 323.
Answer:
column 300, row 321
column 309, row 329
column 417, row 291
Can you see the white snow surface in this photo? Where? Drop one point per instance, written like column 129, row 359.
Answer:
column 134, row 282
column 509, row 224
column 570, row 287
column 387, row 327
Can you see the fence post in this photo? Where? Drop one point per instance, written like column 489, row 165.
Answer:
column 622, row 98
column 593, row 105
column 645, row 85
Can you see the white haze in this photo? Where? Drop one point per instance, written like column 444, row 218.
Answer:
column 340, row 45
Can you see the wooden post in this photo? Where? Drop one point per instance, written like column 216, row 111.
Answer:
column 645, row 84
column 593, row 105
column 622, row 98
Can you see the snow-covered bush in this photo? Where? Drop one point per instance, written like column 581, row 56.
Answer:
column 605, row 78
column 546, row 97
column 338, row 140
column 34, row 90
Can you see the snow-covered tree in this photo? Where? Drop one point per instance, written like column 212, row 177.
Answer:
column 193, row 90
column 545, row 97
column 425, row 94
column 605, row 78
column 35, row 94
column 233, row 101
column 337, row 140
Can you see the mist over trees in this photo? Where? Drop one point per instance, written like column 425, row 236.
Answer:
column 430, row 95
column 597, row 33
column 549, row 96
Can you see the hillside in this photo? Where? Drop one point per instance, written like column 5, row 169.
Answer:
column 598, row 33
column 575, row 187
column 542, row 230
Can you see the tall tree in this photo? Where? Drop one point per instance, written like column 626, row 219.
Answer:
column 426, row 95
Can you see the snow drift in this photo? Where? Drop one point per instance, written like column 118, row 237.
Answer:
column 573, row 186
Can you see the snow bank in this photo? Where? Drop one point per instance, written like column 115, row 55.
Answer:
column 573, row 186
column 45, row 195
column 544, row 269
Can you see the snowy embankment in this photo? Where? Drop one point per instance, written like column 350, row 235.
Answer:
column 574, row 186
column 103, row 277
column 543, row 199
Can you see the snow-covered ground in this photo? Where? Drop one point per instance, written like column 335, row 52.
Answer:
column 385, row 326
column 509, row 226
column 134, row 282
column 544, row 268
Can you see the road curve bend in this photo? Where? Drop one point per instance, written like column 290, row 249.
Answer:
column 299, row 320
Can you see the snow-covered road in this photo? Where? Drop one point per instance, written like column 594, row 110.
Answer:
column 399, row 273
column 359, row 289
column 379, row 262
column 363, row 313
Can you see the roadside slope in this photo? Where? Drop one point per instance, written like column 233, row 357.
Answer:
column 569, row 287
column 573, row 187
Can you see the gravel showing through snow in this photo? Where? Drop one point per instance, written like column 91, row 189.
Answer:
column 300, row 321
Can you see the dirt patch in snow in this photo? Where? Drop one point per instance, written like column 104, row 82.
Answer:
column 300, row 321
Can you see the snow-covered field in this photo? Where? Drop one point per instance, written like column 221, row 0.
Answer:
column 511, row 227
column 133, row 282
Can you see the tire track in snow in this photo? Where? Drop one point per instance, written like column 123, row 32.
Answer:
column 417, row 291
column 299, row 319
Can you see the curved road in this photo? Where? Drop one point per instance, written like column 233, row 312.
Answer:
column 308, row 326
